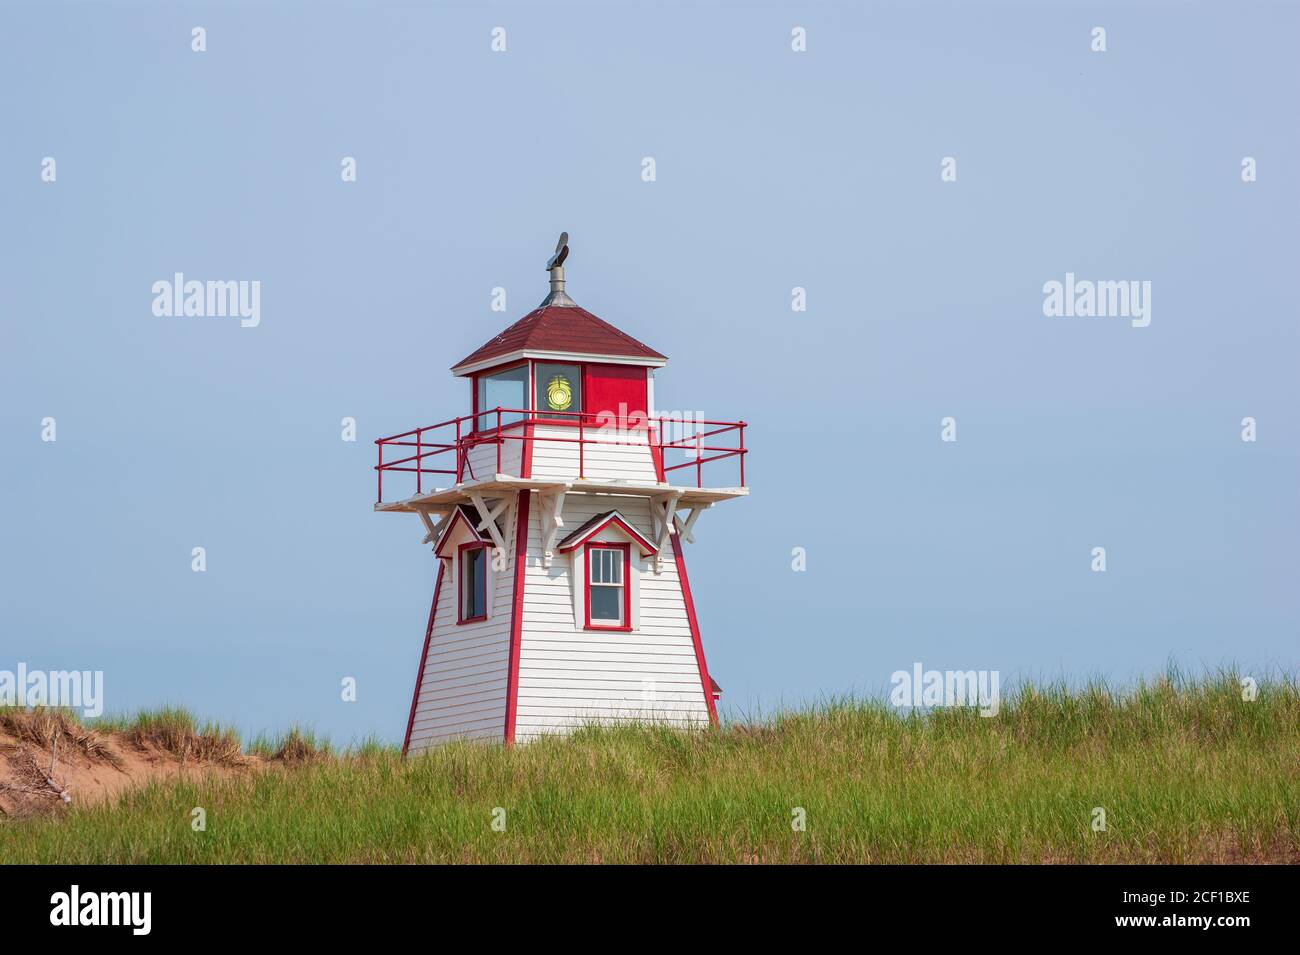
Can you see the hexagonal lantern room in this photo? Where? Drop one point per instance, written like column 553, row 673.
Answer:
column 557, row 509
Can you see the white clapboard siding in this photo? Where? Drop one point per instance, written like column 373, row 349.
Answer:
column 569, row 676
column 481, row 460
column 630, row 461
column 462, row 691
column 546, row 681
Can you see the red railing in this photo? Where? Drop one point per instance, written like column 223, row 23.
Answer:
column 449, row 443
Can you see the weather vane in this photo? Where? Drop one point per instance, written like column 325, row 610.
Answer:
column 555, row 265
column 561, row 252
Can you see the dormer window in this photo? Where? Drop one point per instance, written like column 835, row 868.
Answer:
column 607, row 553
column 558, row 388
column 468, row 556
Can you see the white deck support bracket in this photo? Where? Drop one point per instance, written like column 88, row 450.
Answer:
column 489, row 518
column 684, row 528
column 663, row 510
column 552, row 523
column 512, row 527
column 433, row 529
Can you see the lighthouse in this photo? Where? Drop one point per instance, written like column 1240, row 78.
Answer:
column 559, row 507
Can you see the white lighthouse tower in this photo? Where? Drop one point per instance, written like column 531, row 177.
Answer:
column 557, row 508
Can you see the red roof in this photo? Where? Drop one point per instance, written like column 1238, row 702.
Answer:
column 562, row 328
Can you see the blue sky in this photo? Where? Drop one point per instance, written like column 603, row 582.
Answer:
column 775, row 169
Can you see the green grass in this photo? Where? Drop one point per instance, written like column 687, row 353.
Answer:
column 175, row 730
column 1185, row 772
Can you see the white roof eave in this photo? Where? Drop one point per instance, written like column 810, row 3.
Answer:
column 537, row 354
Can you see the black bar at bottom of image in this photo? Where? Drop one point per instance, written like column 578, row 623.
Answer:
column 333, row 903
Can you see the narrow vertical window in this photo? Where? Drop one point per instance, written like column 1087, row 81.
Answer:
column 607, row 593
column 473, row 582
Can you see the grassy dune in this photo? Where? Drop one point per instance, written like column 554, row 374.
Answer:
column 1188, row 773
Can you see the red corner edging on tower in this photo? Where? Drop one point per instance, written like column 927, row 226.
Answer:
column 424, row 655
column 695, row 629
column 526, row 455
column 517, row 614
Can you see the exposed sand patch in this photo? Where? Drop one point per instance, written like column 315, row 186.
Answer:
column 47, row 763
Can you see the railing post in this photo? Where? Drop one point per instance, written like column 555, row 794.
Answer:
column 380, row 471
column 742, row 454
column 582, row 446
column 500, row 439
column 419, row 460
column 459, row 468
column 699, row 463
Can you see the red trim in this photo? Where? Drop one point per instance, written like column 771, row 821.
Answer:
column 424, row 655
column 526, row 456
column 473, row 401
column 460, row 582
column 705, row 685
column 646, row 546
column 657, row 456
column 626, row 625
column 561, row 422
column 526, row 452
column 517, row 614
column 656, row 450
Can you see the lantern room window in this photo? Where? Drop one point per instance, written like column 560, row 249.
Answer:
column 473, row 582
column 608, row 599
column 501, row 389
column 558, row 388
